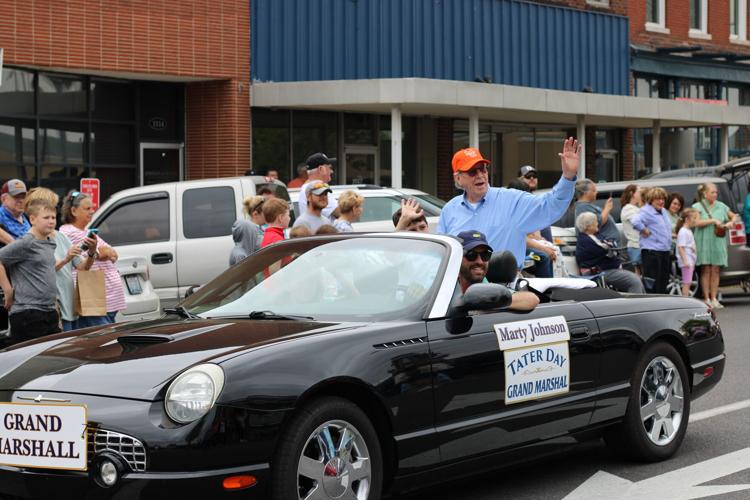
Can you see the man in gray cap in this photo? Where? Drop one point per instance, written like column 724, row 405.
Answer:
column 528, row 175
column 319, row 169
column 13, row 222
column 317, row 195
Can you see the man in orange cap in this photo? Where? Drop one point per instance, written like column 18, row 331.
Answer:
column 505, row 216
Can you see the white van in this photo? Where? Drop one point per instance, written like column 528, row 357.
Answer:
column 183, row 229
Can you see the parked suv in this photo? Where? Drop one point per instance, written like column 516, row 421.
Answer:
column 183, row 229
column 381, row 203
column 736, row 273
column 735, row 172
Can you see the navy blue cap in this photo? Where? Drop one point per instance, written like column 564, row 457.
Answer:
column 472, row 239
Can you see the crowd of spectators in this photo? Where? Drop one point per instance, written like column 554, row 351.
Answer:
column 39, row 264
column 658, row 231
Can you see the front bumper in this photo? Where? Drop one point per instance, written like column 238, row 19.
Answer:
column 42, row 483
column 174, row 462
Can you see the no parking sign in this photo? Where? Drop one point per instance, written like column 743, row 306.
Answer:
column 90, row 187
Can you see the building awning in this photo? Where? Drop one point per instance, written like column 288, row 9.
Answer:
column 689, row 67
column 492, row 102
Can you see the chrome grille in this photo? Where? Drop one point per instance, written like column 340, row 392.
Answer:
column 129, row 448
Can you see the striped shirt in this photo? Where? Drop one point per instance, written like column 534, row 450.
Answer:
column 112, row 280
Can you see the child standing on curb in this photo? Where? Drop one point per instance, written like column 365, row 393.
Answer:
column 686, row 251
column 30, row 292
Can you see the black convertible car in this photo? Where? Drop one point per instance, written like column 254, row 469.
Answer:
column 347, row 366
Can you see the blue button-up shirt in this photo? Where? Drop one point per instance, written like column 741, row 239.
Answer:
column 11, row 224
column 506, row 216
column 658, row 223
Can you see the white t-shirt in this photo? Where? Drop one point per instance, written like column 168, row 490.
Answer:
column 686, row 240
column 327, row 211
column 631, row 234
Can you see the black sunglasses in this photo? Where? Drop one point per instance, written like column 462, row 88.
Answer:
column 471, row 255
column 530, row 176
column 474, row 171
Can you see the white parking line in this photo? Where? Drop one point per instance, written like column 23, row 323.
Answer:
column 702, row 415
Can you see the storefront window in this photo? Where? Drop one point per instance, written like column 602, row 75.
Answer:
column 409, row 147
column 739, row 141
column 113, row 144
column 271, row 141
column 7, row 143
column 62, row 143
column 312, row 132
column 360, row 129
column 738, row 95
column 111, row 100
column 516, row 149
column 61, row 96
column 17, row 92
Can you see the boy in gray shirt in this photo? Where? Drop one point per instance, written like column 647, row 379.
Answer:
column 30, row 299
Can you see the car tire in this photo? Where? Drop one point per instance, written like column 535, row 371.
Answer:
column 352, row 460
column 658, row 409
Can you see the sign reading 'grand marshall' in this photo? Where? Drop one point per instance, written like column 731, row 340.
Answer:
column 46, row 436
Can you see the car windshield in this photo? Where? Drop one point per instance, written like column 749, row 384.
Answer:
column 433, row 201
column 332, row 278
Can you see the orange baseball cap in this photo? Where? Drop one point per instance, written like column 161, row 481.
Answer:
column 465, row 159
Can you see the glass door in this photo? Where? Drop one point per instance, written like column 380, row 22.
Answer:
column 361, row 166
column 160, row 163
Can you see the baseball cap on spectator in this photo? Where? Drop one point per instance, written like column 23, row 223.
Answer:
column 317, row 188
column 14, row 187
column 465, row 159
column 318, row 159
column 472, row 239
column 527, row 169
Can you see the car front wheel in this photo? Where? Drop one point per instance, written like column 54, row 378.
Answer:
column 330, row 450
column 659, row 408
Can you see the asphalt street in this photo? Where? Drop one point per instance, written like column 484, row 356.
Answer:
column 720, row 425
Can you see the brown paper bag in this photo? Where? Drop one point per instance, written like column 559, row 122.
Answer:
column 91, row 295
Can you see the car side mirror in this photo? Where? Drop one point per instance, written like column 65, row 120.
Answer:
column 483, row 297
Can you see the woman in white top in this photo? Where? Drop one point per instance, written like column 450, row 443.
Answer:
column 351, row 206
column 631, row 203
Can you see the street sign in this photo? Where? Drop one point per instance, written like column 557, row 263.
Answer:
column 687, row 482
column 90, row 187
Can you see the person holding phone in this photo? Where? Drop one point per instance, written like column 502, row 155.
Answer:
column 77, row 211
column 586, row 196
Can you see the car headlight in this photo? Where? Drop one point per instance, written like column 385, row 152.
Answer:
column 194, row 393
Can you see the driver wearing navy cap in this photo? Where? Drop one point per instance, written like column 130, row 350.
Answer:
column 319, row 170
column 474, row 265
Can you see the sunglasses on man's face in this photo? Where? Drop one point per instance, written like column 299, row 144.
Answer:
column 530, row 176
column 474, row 171
column 471, row 255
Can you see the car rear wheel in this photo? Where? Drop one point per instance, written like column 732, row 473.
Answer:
column 329, row 450
column 658, row 410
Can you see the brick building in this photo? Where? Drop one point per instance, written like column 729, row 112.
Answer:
column 393, row 100
column 684, row 51
column 130, row 92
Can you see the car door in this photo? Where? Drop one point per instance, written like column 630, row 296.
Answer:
column 143, row 225
column 472, row 414
column 206, row 212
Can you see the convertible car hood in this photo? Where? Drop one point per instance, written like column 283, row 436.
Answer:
column 136, row 360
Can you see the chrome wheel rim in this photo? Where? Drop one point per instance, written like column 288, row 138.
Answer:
column 662, row 401
column 334, row 464
column 674, row 284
